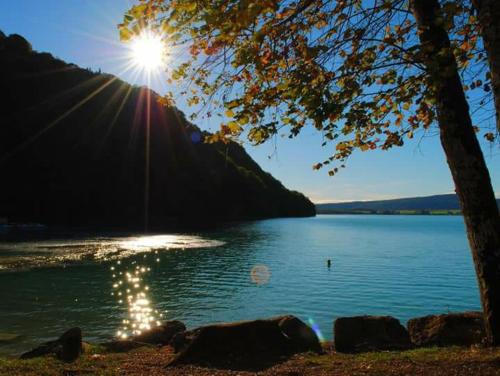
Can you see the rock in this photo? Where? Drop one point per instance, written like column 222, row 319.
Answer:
column 46, row 348
column 369, row 333
column 180, row 341
column 302, row 336
column 122, row 346
column 68, row 347
column 250, row 345
column 162, row 334
column 462, row 329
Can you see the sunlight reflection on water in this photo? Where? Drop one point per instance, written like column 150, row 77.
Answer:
column 26, row 255
column 130, row 289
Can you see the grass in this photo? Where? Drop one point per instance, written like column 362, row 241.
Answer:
column 147, row 361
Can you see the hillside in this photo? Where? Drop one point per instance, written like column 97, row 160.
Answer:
column 73, row 152
column 438, row 204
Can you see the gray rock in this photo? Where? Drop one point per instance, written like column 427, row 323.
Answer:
column 369, row 333
column 460, row 329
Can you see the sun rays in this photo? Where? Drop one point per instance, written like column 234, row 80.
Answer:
column 148, row 51
column 143, row 60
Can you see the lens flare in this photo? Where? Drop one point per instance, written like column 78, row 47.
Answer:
column 315, row 328
column 260, row 274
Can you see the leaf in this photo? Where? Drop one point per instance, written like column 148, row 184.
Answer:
column 243, row 120
column 125, row 34
column 234, row 127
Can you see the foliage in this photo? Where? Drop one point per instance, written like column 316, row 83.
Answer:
column 352, row 69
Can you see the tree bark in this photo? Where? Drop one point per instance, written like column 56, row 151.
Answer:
column 465, row 159
column 488, row 12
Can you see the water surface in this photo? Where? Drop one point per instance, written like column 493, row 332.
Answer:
column 403, row 266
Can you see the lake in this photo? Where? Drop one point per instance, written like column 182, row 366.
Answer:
column 115, row 284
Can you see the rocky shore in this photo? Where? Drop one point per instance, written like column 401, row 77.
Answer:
column 271, row 346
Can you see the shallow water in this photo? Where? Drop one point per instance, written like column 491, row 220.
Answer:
column 403, row 266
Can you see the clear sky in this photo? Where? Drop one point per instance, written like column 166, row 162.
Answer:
column 84, row 32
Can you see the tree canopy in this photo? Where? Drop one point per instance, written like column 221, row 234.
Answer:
column 352, row 69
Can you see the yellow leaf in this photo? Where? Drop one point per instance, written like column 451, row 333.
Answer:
column 243, row 120
column 125, row 34
column 234, row 127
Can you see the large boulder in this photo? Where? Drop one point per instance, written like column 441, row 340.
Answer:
column 369, row 333
column 162, row 334
column 461, row 329
column 250, row 345
column 67, row 347
column 302, row 337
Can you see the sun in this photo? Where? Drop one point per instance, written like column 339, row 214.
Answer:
column 148, row 51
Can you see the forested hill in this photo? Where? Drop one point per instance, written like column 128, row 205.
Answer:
column 438, row 204
column 73, row 152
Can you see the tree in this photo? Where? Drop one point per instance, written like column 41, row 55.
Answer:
column 465, row 160
column 489, row 14
column 366, row 74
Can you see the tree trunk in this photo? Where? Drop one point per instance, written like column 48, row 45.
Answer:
column 488, row 12
column 465, row 159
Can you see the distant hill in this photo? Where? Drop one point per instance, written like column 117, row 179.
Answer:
column 438, row 204
column 73, row 152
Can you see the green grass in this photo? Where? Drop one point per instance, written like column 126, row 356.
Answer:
column 93, row 362
column 423, row 361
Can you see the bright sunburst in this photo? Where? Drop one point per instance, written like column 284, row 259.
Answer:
column 148, row 51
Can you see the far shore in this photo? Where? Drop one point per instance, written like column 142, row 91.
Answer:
column 390, row 212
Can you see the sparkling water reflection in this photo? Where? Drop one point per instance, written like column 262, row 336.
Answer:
column 25, row 255
column 130, row 289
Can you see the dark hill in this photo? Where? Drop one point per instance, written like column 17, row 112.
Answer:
column 73, row 147
column 429, row 203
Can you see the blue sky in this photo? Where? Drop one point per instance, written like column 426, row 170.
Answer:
column 84, row 32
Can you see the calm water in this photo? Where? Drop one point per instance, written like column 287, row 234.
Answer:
column 403, row 266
